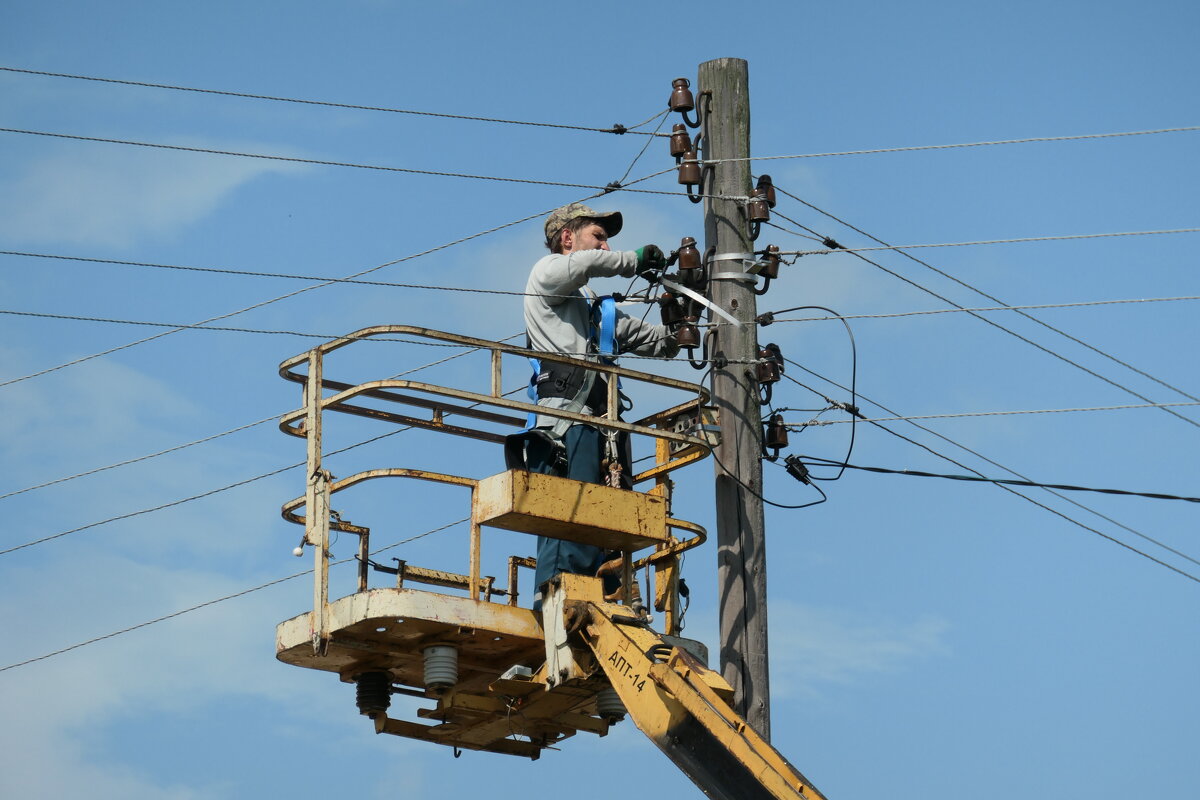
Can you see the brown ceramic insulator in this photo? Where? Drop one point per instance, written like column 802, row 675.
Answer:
column 777, row 433
column 681, row 96
column 688, row 335
column 767, row 188
column 768, row 372
column 671, row 311
column 758, row 210
column 689, row 169
column 689, row 256
column 771, row 270
column 681, row 142
column 770, row 365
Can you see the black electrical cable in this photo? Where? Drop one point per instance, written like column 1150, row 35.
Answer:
column 994, row 463
column 750, row 489
column 977, row 479
column 852, row 408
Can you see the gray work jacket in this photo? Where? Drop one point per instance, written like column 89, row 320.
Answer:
column 558, row 312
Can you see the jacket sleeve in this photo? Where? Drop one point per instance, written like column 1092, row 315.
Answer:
column 566, row 274
column 644, row 338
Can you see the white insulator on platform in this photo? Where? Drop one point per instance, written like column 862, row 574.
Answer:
column 609, row 705
column 441, row 666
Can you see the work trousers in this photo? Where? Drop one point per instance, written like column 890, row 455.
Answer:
column 585, row 447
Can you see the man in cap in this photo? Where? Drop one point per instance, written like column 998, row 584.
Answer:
column 559, row 318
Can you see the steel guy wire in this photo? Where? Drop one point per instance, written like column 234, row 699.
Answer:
column 994, row 299
column 1029, row 140
column 981, row 456
column 233, row 596
column 1025, row 339
column 323, row 163
column 1010, row 413
column 1082, row 304
column 215, row 435
column 615, row 129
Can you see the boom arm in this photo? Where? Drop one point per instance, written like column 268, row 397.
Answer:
column 677, row 702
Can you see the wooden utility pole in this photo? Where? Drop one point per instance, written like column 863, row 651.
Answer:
column 741, row 547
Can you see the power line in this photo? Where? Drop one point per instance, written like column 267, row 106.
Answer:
column 213, row 602
column 223, row 433
column 1013, row 333
column 282, row 297
column 181, row 501
column 770, row 317
column 284, row 275
column 841, row 249
column 980, row 479
column 217, row 328
column 324, row 163
column 994, row 299
column 615, row 129
column 1007, row 413
column 987, row 459
column 965, row 144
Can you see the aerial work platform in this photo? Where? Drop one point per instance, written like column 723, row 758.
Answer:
column 495, row 675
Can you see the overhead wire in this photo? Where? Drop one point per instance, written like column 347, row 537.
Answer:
column 217, row 600
column 1016, row 412
column 993, row 462
column 1013, row 333
column 993, row 298
column 324, row 163
column 912, row 148
column 215, row 436
column 1007, row 482
column 1070, row 237
column 772, row 319
column 615, row 129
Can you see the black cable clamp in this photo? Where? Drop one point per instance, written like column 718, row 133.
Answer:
column 618, row 128
column 797, row 469
column 831, row 244
column 765, row 319
column 613, row 187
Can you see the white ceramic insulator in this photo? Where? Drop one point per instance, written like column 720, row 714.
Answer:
column 441, row 666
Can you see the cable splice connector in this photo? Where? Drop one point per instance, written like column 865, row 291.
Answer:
column 852, row 410
column 765, row 319
column 831, row 243
column 613, row 186
column 796, row 468
column 618, row 128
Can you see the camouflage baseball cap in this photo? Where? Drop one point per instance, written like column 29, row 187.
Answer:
column 609, row 220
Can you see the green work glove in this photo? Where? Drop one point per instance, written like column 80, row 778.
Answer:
column 650, row 258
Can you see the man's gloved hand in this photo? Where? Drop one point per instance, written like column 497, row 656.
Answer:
column 650, row 260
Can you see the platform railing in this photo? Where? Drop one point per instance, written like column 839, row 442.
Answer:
column 678, row 432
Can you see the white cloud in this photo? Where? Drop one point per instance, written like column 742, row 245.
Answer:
column 828, row 646
column 112, row 196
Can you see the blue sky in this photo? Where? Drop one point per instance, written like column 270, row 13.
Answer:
column 928, row 638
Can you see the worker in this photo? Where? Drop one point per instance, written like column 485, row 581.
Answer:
column 561, row 317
